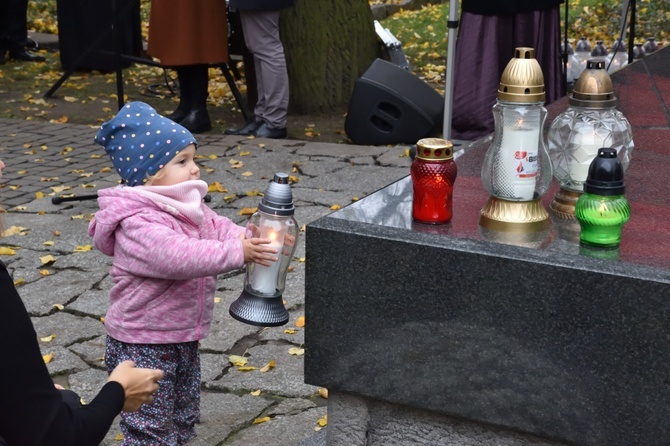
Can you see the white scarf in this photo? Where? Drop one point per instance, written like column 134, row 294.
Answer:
column 184, row 198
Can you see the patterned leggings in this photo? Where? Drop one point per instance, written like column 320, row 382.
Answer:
column 170, row 419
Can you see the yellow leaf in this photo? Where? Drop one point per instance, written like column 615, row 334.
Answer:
column 20, row 208
column 290, row 331
column 323, row 392
column 69, row 99
column 293, row 179
column 254, row 193
column 19, row 282
column 105, row 169
column 45, row 272
column 247, row 174
column 83, row 248
column 269, row 366
column 247, row 211
column 58, row 306
column 13, row 230
column 48, row 357
column 102, row 319
column 217, row 300
column 4, row 251
column 261, row 145
column 119, row 437
column 22, row 172
column 46, row 260
column 246, row 368
column 27, row 146
column 296, row 351
column 261, row 420
column 77, row 217
column 237, row 360
column 14, row 187
column 97, row 156
column 335, row 207
column 299, row 259
column 354, row 198
column 57, row 233
column 323, row 421
column 255, row 392
column 300, row 322
column 303, row 228
column 216, row 187
column 244, row 153
column 58, row 189
column 212, row 157
column 49, row 243
column 48, row 338
column 39, row 195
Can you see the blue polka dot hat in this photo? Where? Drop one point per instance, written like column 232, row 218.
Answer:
column 140, row 142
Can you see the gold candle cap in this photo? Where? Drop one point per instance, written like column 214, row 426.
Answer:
column 593, row 88
column 522, row 80
column 434, row 149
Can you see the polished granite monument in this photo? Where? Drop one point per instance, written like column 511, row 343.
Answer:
column 453, row 334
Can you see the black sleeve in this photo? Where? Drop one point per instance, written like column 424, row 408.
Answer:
column 506, row 7
column 32, row 411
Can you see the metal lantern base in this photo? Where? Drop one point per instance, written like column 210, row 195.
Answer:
column 259, row 311
column 563, row 204
column 514, row 216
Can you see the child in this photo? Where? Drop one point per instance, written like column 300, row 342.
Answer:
column 168, row 248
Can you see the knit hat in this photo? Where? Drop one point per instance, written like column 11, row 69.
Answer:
column 140, row 142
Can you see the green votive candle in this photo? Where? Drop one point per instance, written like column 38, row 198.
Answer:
column 603, row 210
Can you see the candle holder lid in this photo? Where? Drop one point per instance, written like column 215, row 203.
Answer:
column 605, row 174
column 278, row 199
column 522, row 80
column 593, row 88
column 434, row 149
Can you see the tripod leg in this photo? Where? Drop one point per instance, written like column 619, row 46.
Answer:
column 225, row 69
column 117, row 54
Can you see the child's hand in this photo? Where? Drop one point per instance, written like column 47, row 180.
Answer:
column 255, row 251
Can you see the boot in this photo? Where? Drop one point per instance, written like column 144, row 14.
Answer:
column 184, row 100
column 197, row 118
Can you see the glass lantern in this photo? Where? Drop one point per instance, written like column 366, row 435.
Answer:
column 582, row 54
column 261, row 301
column 651, row 45
column 617, row 57
column 517, row 170
column 590, row 123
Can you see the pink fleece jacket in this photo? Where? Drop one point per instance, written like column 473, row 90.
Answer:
column 168, row 248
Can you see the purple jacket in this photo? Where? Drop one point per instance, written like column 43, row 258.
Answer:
column 166, row 259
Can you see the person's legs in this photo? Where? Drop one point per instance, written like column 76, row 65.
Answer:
column 17, row 26
column 261, row 35
column 187, row 396
column 195, row 91
column 153, row 423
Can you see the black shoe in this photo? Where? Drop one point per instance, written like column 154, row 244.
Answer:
column 263, row 131
column 178, row 115
column 197, row 121
column 25, row 56
column 249, row 128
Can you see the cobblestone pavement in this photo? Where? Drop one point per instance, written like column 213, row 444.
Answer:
column 67, row 297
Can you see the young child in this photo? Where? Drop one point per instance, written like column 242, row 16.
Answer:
column 168, row 248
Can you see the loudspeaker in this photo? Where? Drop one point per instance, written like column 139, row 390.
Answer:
column 82, row 22
column 390, row 105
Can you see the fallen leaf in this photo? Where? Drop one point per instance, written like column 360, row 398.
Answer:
column 212, row 157
column 254, row 193
column 119, row 437
column 59, row 189
column 261, row 420
column 58, row 306
column 48, row 338
column 13, row 230
column 296, row 351
column 69, row 99
column 45, row 272
column 247, row 211
column 49, row 243
column 335, row 207
column 47, row 260
column 246, row 368
column 39, row 195
column 255, row 392
column 5, row 251
column 237, row 360
column 247, row 174
column 323, row 392
column 217, row 300
column 19, row 282
column 290, row 331
column 216, row 187
column 244, row 153
column 300, row 322
column 48, row 357
column 299, row 259
column 323, row 421
column 83, row 248
column 57, row 233
column 22, row 172
column 269, row 366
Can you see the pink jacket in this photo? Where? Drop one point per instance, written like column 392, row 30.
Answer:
column 168, row 248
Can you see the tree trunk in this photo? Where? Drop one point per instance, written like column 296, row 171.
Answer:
column 328, row 45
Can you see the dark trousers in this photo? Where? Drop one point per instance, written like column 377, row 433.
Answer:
column 13, row 26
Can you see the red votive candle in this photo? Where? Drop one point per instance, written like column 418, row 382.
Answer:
column 433, row 175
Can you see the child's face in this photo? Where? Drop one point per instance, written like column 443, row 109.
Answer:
column 180, row 168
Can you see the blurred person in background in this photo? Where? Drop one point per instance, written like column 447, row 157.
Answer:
column 14, row 32
column 260, row 26
column 189, row 37
column 488, row 34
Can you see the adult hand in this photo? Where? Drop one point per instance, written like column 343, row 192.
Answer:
column 138, row 384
